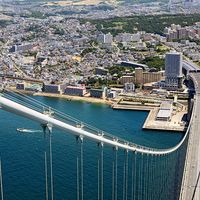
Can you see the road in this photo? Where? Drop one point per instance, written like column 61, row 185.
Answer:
column 191, row 179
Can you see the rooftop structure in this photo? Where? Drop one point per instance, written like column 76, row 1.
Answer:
column 165, row 111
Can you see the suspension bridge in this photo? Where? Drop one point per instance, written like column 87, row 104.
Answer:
column 147, row 173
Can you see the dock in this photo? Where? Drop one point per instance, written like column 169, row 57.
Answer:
column 175, row 124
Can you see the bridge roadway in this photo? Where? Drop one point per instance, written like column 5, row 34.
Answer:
column 190, row 189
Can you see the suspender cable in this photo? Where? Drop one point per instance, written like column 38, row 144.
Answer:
column 79, row 168
column 135, row 175
column 153, row 178
column 81, row 165
column 46, row 175
column 160, row 180
column 51, row 168
column 1, row 181
column 132, row 176
column 116, row 171
column 101, row 171
column 144, row 178
column 157, row 175
column 77, row 179
column 141, row 177
column 150, row 177
column 98, row 184
column 171, row 175
column 146, row 191
column 113, row 179
column 77, row 174
column 126, row 177
column 166, row 176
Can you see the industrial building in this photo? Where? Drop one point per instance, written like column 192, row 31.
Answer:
column 165, row 111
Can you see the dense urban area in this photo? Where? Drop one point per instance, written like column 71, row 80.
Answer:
column 94, row 51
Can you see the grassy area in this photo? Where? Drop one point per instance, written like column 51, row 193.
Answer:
column 154, row 62
column 150, row 24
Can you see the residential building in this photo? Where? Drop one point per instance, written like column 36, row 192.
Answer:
column 75, row 90
column 98, row 93
column 51, row 88
column 142, row 77
column 105, row 38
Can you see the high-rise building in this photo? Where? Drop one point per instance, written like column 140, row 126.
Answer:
column 173, row 70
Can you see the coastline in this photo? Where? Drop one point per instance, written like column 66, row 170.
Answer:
column 75, row 98
column 150, row 122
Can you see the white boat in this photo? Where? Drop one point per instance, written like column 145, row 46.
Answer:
column 24, row 130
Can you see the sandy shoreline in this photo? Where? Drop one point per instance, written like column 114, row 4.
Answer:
column 64, row 96
column 74, row 98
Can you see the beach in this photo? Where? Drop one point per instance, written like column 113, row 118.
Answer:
column 75, row 98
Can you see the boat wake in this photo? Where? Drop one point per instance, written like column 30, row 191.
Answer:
column 24, row 130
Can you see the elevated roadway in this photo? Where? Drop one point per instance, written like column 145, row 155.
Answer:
column 190, row 189
column 20, row 78
column 190, row 66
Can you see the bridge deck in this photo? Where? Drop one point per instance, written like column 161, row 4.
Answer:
column 191, row 179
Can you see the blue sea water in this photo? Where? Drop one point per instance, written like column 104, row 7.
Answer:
column 23, row 154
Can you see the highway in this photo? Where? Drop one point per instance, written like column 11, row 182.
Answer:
column 191, row 179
